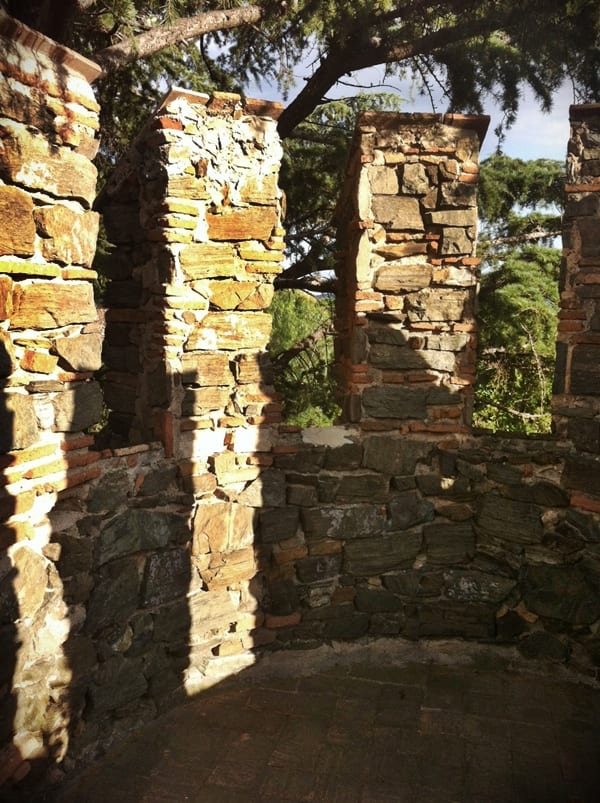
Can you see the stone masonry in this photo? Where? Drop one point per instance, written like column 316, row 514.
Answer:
column 408, row 272
column 139, row 570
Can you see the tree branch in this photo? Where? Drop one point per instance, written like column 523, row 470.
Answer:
column 347, row 57
column 146, row 44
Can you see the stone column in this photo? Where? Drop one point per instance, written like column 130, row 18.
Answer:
column 194, row 213
column 408, row 272
column 49, row 347
column 576, row 404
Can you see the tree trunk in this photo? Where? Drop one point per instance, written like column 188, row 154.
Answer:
column 185, row 29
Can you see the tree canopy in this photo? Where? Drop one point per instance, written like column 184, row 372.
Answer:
column 468, row 48
column 519, row 208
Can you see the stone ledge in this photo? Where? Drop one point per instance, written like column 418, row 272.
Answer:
column 59, row 54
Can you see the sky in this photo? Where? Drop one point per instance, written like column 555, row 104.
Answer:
column 535, row 135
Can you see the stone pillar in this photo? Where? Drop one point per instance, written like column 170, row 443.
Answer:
column 194, row 213
column 576, row 404
column 408, row 272
column 49, row 347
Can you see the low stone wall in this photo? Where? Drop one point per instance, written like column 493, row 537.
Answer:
column 474, row 538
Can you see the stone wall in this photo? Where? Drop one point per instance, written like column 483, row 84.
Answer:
column 408, row 273
column 577, row 382
column 50, row 343
column 141, row 570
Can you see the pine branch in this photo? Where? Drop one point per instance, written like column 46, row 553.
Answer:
column 185, row 29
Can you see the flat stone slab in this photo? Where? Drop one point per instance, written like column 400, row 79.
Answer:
column 365, row 730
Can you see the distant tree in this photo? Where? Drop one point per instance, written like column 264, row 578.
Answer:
column 518, row 301
column 302, row 355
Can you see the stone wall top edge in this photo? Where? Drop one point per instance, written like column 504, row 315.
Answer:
column 220, row 100
column 582, row 109
column 387, row 119
column 74, row 62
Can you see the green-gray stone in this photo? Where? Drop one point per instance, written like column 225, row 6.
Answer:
column 278, row 524
column 544, row 645
column 415, row 583
column 474, row 586
column 118, row 681
column 408, row 509
column 140, row 529
column 369, row 556
column 395, row 456
column 166, row 577
column 380, row 601
column 115, row 596
column 358, row 521
column 347, row 628
column 563, row 593
column 362, row 488
column 509, row 520
column 318, row 568
column 395, row 401
column 110, row 491
column 449, row 543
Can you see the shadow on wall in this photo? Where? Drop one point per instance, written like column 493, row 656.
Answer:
column 9, row 608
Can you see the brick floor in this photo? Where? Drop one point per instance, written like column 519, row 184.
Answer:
column 364, row 733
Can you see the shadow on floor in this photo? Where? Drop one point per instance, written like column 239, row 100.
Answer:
column 364, row 733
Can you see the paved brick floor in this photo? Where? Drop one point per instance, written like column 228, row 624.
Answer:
column 424, row 733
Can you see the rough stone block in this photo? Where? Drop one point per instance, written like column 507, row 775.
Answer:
column 46, row 305
column 229, row 295
column 198, row 401
column 29, row 160
column 365, row 557
column 562, row 593
column 231, row 331
column 377, row 601
column 318, row 568
column 78, row 408
column 166, row 577
column 395, row 456
column 409, row 509
column 475, row 586
column 80, row 353
column 67, row 236
column 399, row 277
column 509, row 520
column 206, row 260
column 139, row 529
column 398, row 213
column 246, row 223
column 383, row 180
column 414, row 583
column 278, row 524
column 585, row 370
column 392, row 401
column 18, row 422
column 118, row 681
column 115, row 596
column 362, row 487
column 206, row 369
column 17, row 233
column 415, row 180
column 456, row 241
column 449, row 543
column 358, row 521
column 451, row 619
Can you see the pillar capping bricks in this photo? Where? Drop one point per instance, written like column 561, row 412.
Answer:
column 59, row 54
